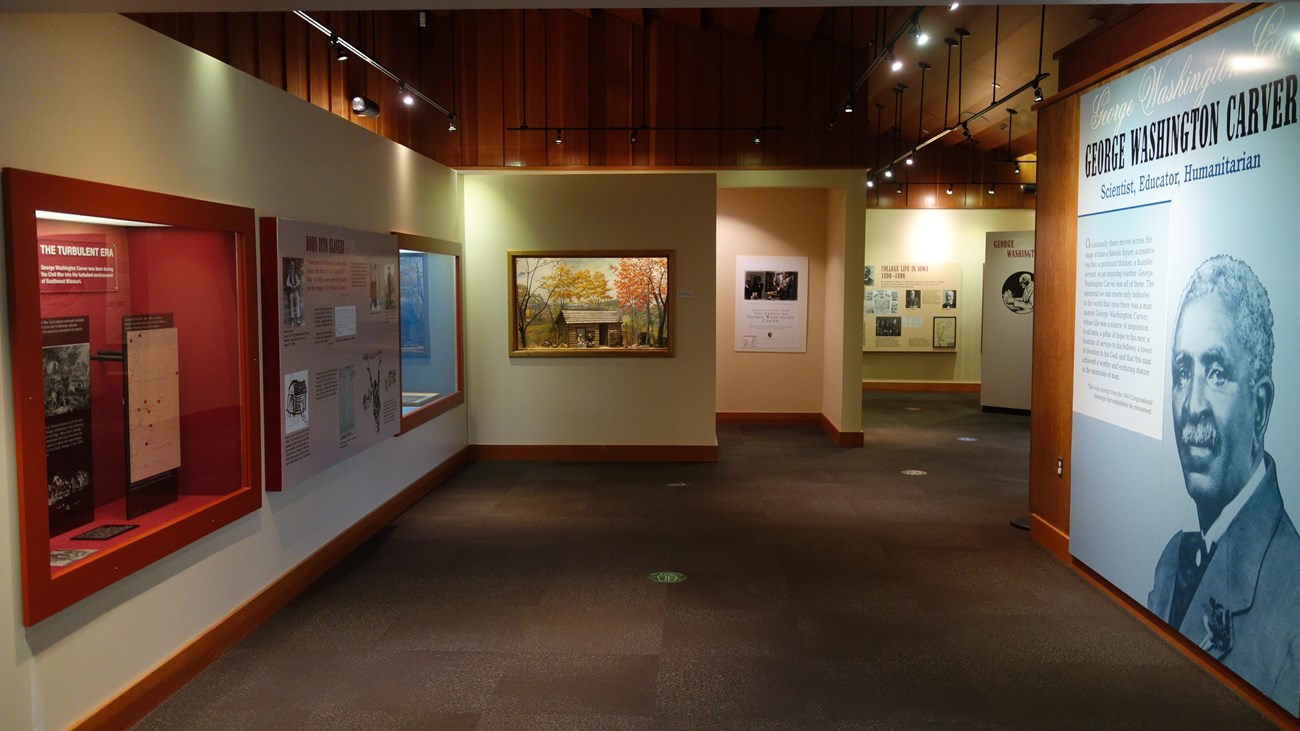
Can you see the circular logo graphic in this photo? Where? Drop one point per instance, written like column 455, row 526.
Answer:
column 915, row 473
column 1018, row 293
column 667, row 577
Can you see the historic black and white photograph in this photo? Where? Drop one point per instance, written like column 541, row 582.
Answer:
column 913, row 299
column 1018, row 293
column 293, row 291
column 889, row 327
column 67, row 378
column 949, row 299
column 1231, row 586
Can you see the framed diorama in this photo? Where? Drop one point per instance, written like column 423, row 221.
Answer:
column 429, row 304
column 135, row 392
column 945, row 332
column 590, row 303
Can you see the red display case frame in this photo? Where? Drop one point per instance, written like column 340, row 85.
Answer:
column 46, row 592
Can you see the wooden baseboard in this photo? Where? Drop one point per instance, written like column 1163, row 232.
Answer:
column 768, row 417
column 846, row 439
column 921, row 386
column 1050, row 537
column 1262, row 703
column 155, row 687
column 593, row 453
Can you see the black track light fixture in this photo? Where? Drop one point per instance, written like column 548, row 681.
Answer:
column 340, row 50
column 451, row 123
column 949, row 191
column 758, row 136
column 559, row 137
column 364, row 106
column 871, row 181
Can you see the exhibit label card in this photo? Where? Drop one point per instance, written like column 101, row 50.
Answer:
column 77, row 263
column 772, row 304
column 1184, row 482
column 339, row 360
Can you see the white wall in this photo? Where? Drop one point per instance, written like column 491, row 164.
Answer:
column 935, row 236
column 104, row 99
column 628, row 401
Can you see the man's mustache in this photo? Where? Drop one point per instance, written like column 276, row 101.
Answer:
column 1200, row 433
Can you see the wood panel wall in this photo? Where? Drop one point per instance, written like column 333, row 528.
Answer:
column 1052, row 384
column 502, row 70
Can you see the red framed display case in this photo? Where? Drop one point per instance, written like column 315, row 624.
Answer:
column 132, row 320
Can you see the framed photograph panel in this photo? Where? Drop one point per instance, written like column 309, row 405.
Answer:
column 590, row 303
column 945, row 332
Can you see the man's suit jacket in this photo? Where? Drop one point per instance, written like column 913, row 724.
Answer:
column 1254, row 573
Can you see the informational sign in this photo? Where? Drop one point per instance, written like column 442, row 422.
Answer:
column 1186, row 404
column 69, row 463
column 772, row 304
column 77, row 263
column 900, row 303
column 153, row 411
column 1006, row 357
column 339, row 356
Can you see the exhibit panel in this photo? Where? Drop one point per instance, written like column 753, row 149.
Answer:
column 910, row 307
column 772, row 305
column 1006, row 362
column 1183, row 487
column 333, row 345
column 134, row 390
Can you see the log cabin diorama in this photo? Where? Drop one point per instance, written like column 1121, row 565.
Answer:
column 576, row 304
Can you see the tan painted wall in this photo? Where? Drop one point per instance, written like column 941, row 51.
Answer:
column 771, row 222
column 105, row 99
column 530, row 401
column 924, row 236
column 841, row 397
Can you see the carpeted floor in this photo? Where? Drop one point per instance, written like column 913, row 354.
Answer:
column 825, row 590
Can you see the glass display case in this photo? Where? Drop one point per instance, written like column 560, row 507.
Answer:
column 430, row 317
column 132, row 331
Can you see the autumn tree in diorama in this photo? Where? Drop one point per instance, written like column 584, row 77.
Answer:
column 641, row 285
column 568, row 286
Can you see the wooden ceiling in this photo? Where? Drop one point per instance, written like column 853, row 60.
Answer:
column 697, row 82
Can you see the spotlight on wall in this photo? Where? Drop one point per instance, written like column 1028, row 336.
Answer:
column 634, row 136
column 559, row 137
column 993, row 190
column 896, row 65
column 920, row 36
column 848, row 107
column 949, row 191
column 405, row 94
column 871, row 182
column 900, row 189
column 889, row 173
column 340, row 51
column 364, row 106
column 451, row 123
column 908, row 161
column 1038, row 93
column 1016, row 169
column 758, row 136
column 954, row 6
